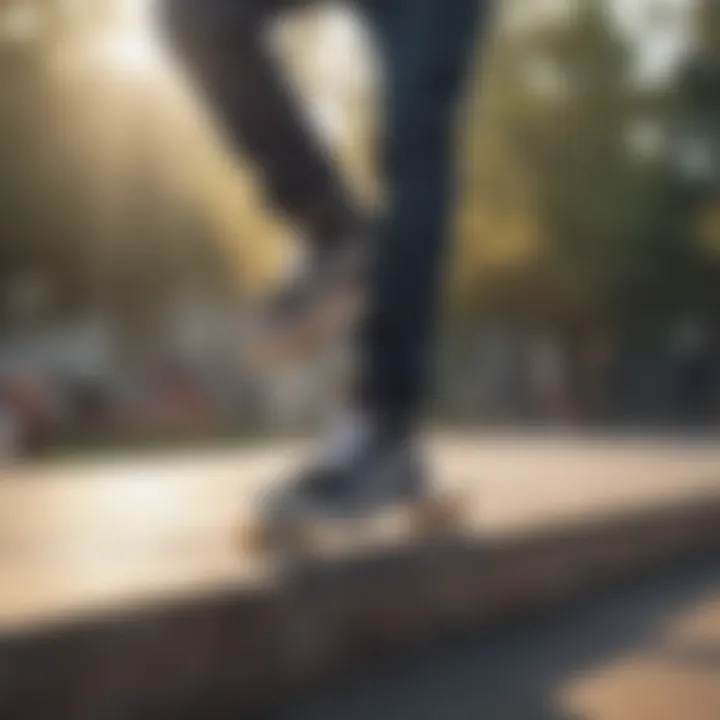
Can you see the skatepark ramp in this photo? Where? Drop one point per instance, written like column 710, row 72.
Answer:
column 97, row 622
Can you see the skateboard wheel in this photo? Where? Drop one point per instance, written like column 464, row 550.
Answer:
column 255, row 538
column 434, row 515
column 261, row 538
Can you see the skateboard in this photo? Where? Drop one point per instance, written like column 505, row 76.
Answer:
column 431, row 516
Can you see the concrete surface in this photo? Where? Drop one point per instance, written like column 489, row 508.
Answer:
column 648, row 652
column 125, row 594
column 78, row 537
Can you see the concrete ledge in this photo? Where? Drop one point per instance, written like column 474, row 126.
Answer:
column 243, row 651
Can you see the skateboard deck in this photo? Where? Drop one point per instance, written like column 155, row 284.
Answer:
column 434, row 515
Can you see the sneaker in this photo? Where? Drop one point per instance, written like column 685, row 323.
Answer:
column 320, row 298
column 360, row 474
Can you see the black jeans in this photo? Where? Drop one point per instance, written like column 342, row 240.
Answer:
column 425, row 46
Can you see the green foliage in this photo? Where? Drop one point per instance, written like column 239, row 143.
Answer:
column 570, row 207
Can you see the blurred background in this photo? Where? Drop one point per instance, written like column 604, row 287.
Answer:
column 585, row 282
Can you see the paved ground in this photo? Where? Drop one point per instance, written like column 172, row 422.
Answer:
column 76, row 536
column 651, row 652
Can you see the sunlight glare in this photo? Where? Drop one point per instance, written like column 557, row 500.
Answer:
column 132, row 49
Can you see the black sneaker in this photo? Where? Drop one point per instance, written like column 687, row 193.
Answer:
column 377, row 478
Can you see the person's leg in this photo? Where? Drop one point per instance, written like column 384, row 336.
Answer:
column 370, row 459
column 427, row 47
column 222, row 44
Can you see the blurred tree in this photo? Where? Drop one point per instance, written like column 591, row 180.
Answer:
column 562, row 173
column 105, row 174
column 686, row 277
column 574, row 222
